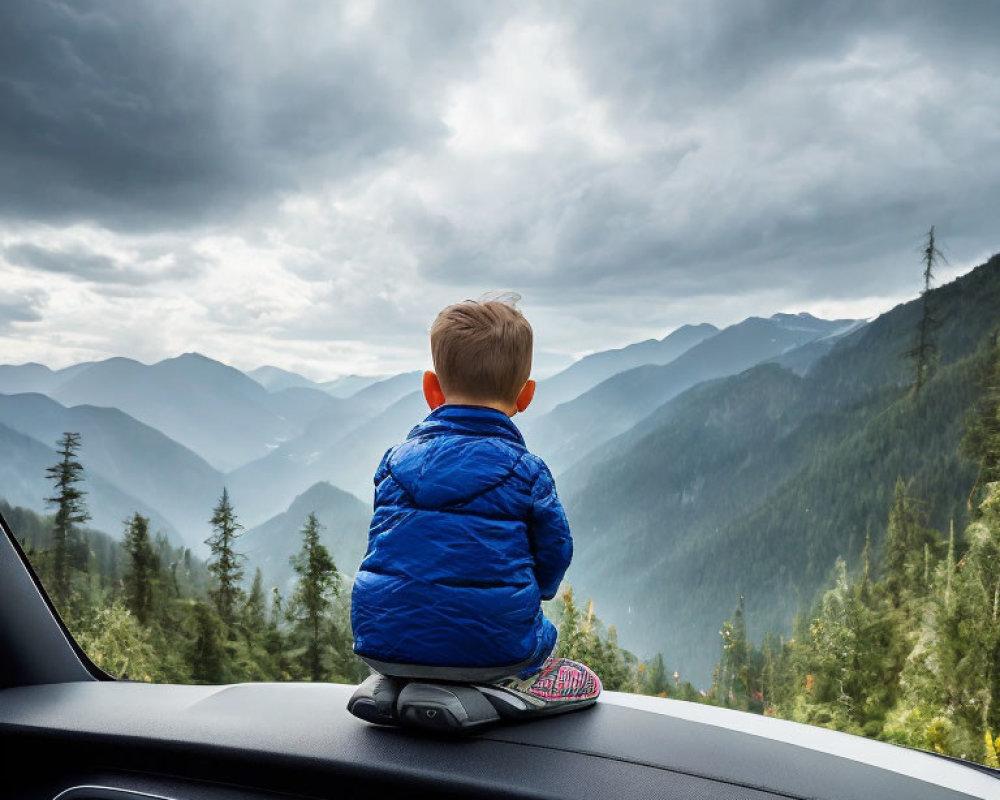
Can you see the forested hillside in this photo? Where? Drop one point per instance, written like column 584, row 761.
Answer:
column 754, row 485
column 146, row 611
column 575, row 429
column 905, row 647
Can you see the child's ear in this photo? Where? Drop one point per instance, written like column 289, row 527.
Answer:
column 526, row 395
column 432, row 390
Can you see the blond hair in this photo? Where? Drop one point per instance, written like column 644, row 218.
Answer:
column 482, row 350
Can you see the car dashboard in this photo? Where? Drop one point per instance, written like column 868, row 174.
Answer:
column 116, row 740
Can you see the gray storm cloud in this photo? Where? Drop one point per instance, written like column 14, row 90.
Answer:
column 19, row 308
column 342, row 170
column 157, row 115
column 80, row 263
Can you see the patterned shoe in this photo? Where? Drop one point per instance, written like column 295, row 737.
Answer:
column 560, row 686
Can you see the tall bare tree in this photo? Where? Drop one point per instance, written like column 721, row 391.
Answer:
column 924, row 348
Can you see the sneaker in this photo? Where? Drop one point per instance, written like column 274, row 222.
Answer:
column 560, row 685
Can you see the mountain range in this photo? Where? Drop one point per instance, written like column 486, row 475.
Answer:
column 208, row 407
column 594, row 368
column 131, row 464
column 574, row 428
column 694, row 468
column 170, row 435
column 163, row 435
column 275, row 379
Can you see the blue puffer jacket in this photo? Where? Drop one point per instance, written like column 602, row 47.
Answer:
column 467, row 537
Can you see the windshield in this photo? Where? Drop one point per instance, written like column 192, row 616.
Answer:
column 754, row 249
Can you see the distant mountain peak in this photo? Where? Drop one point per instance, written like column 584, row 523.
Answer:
column 804, row 321
column 275, row 378
column 116, row 360
column 28, row 365
column 192, row 357
column 197, row 364
column 782, row 316
column 319, row 491
column 697, row 326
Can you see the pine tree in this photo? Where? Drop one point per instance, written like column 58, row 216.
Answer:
column 864, row 588
column 70, row 511
column 740, row 648
column 614, row 669
column 924, row 349
column 207, row 656
column 772, row 651
column 119, row 644
column 346, row 666
column 225, row 562
column 143, row 566
column 277, row 607
column 570, row 642
column 655, row 677
column 906, row 538
column 732, row 677
column 255, row 610
column 274, row 638
column 315, row 591
column 949, row 567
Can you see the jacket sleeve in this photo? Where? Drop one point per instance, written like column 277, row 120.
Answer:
column 380, row 475
column 551, row 541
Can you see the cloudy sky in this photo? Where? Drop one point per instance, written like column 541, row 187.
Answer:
column 306, row 184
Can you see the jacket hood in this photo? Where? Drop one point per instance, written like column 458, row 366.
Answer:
column 456, row 454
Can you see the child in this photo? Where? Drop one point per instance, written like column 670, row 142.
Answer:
column 468, row 535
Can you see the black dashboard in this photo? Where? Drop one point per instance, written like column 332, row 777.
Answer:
column 257, row 741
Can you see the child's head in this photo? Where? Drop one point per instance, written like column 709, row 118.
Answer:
column 482, row 355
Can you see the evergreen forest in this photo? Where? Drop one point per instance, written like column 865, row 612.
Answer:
column 145, row 610
column 906, row 648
